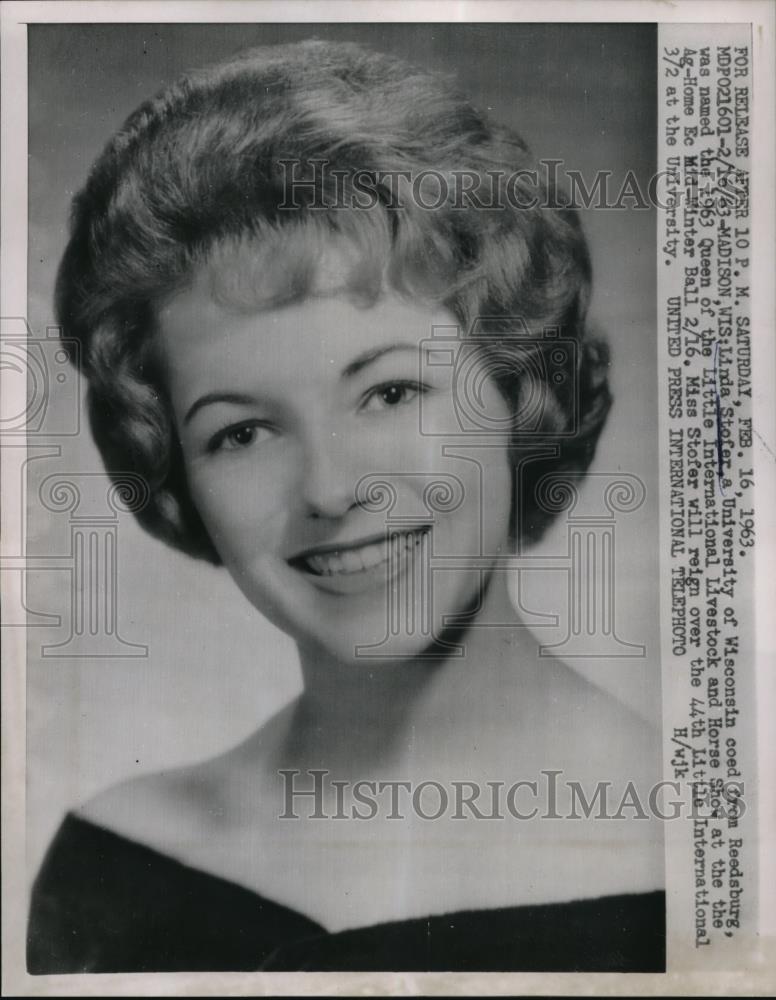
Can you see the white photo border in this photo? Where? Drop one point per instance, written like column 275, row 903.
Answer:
column 13, row 296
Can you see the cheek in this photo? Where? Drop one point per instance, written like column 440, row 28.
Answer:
column 497, row 478
column 244, row 513
column 499, row 489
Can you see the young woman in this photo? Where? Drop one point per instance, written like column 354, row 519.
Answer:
column 306, row 325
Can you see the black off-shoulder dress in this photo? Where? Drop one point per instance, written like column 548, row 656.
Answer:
column 103, row 903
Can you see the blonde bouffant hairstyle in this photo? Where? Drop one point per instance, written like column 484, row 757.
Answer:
column 201, row 173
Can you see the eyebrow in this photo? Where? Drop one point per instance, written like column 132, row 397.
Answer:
column 243, row 399
column 238, row 398
column 368, row 357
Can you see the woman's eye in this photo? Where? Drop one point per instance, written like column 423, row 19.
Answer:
column 391, row 394
column 239, row 436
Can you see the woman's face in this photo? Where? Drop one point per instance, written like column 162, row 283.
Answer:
column 290, row 420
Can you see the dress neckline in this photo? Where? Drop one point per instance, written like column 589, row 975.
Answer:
column 105, row 902
column 316, row 929
column 73, row 819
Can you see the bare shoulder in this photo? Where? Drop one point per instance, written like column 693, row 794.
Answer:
column 606, row 764
column 188, row 804
column 597, row 733
column 147, row 808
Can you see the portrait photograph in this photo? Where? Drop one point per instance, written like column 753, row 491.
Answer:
column 342, row 592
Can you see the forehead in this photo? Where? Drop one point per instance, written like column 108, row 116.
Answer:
column 201, row 334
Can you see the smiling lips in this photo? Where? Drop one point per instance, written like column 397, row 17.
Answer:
column 359, row 558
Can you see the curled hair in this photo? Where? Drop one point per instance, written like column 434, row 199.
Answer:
column 201, row 173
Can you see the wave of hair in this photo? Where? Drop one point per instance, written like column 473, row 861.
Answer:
column 197, row 173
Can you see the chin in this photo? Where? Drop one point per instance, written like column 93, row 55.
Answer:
column 371, row 633
column 374, row 653
column 365, row 620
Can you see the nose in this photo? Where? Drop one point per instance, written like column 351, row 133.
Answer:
column 329, row 475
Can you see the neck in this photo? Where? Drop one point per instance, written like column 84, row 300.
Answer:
column 385, row 714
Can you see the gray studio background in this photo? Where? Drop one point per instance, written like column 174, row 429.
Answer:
column 215, row 669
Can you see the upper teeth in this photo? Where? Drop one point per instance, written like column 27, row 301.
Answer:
column 365, row 557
